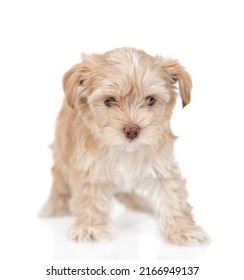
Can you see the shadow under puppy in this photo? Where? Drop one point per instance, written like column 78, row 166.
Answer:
column 113, row 138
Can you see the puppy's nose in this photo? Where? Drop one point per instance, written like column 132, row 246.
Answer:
column 132, row 130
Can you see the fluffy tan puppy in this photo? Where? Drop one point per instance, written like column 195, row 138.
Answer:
column 113, row 138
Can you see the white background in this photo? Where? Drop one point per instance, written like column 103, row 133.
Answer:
column 39, row 41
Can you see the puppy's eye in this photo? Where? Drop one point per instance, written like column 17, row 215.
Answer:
column 151, row 100
column 110, row 101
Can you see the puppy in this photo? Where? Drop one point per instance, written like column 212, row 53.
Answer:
column 113, row 138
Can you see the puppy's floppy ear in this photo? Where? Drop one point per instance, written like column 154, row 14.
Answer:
column 176, row 72
column 72, row 80
column 77, row 80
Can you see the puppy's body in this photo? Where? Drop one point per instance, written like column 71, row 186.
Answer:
column 113, row 136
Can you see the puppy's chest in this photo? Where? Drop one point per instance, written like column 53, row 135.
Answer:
column 126, row 172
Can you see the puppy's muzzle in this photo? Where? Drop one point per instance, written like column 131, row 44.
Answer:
column 131, row 130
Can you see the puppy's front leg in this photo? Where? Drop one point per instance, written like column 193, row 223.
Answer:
column 90, row 204
column 177, row 225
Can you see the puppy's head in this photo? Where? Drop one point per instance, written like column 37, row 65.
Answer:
column 126, row 96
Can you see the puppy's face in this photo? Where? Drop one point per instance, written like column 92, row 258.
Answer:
column 126, row 96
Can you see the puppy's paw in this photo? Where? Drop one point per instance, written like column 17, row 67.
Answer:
column 84, row 233
column 55, row 209
column 188, row 236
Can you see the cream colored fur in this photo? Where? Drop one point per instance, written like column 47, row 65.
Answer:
column 94, row 160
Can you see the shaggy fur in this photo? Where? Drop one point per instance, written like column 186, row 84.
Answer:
column 113, row 138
